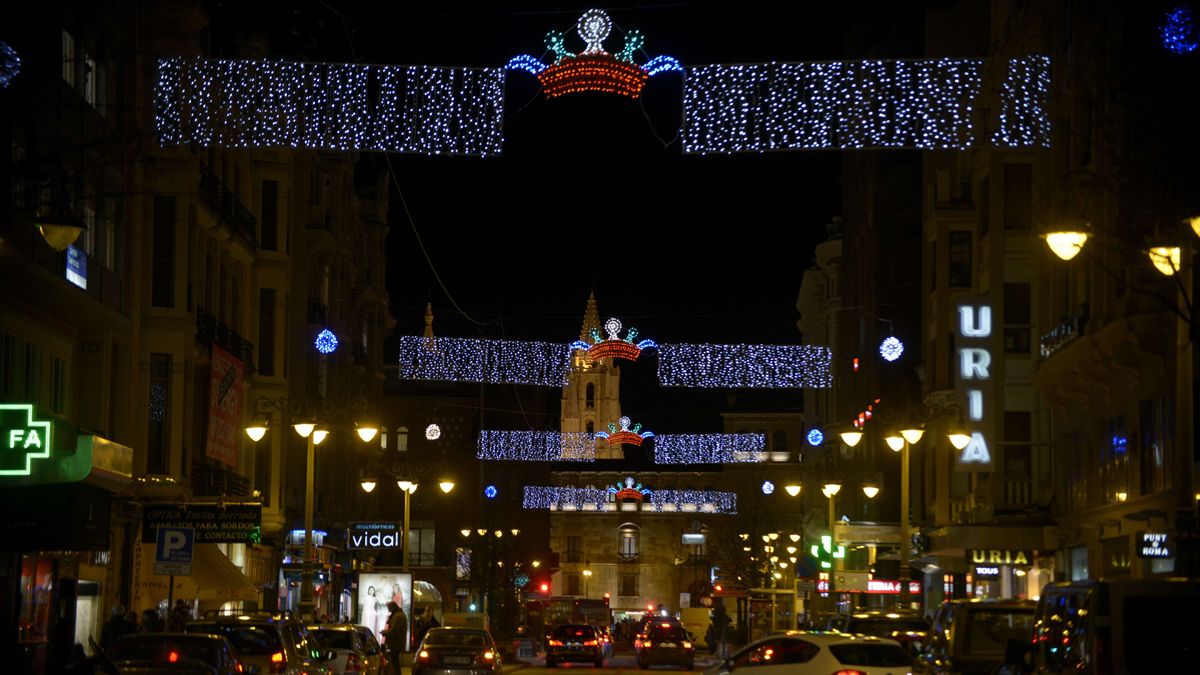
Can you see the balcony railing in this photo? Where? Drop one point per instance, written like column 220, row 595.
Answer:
column 210, row 480
column 1061, row 335
column 212, row 331
column 227, row 206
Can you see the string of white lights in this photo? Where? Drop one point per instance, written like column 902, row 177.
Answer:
column 752, row 366
column 708, row 448
column 286, row 104
column 924, row 104
column 486, row 361
column 564, row 498
column 536, row 446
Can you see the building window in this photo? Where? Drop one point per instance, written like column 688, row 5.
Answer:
column 574, row 552
column 590, row 396
column 33, row 374
column 627, row 542
column 959, row 272
column 573, row 584
column 1153, row 442
column 269, row 216
column 1018, row 318
column 68, row 54
column 591, row 427
column 1018, row 197
column 89, row 80
column 162, row 269
column 1018, row 434
column 779, row 441
column 158, row 417
column 58, row 386
column 266, row 331
column 401, row 439
column 421, row 547
column 629, row 585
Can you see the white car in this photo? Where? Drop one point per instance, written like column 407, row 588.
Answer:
column 802, row 652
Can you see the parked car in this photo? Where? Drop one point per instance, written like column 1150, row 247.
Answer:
column 272, row 642
column 819, row 653
column 664, row 643
column 1115, row 627
column 908, row 628
column 357, row 650
column 574, row 642
column 456, row 648
column 175, row 654
column 969, row 637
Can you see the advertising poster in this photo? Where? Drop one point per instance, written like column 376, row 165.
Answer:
column 375, row 590
column 224, row 407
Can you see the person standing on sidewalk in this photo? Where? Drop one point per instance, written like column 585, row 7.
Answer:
column 393, row 637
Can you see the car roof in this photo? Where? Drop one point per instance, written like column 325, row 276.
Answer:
column 887, row 614
column 175, row 635
column 827, row 638
column 993, row 602
column 333, row 626
column 458, row 629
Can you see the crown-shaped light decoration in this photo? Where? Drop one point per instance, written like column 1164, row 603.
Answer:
column 594, row 69
column 629, row 490
column 632, row 436
column 613, row 345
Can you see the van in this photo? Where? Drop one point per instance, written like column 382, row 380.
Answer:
column 970, row 637
column 1111, row 627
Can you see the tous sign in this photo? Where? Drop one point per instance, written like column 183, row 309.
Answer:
column 974, row 363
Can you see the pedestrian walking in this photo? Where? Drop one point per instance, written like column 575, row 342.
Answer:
column 116, row 627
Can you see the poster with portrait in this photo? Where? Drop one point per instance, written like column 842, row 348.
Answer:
column 375, row 591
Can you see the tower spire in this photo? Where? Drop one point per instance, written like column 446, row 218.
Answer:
column 429, row 323
column 591, row 318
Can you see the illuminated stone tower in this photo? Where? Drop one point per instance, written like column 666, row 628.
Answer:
column 591, row 398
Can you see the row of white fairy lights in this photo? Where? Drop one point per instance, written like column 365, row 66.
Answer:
column 926, row 104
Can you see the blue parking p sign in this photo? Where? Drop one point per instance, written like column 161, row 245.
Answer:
column 173, row 551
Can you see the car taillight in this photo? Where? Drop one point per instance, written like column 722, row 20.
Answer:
column 173, row 657
column 423, row 654
column 850, row 672
column 647, row 644
column 555, row 643
column 278, row 663
column 590, row 643
column 489, row 655
column 352, row 664
column 687, row 645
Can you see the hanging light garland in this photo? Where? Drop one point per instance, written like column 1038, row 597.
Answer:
column 709, row 448
column 563, row 498
column 325, row 106
column 1178, row 31
column 486, row 361
column 922, row 104
column 10, row 64
column 536, row 446
column 755, row 366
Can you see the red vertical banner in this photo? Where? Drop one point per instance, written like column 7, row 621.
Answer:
column 224, row 407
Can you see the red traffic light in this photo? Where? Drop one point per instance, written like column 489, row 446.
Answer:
column 608, row 596
column 717, row 588
column 545, row 587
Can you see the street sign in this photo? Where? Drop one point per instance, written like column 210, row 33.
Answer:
column 173, row 551
column 213, row 523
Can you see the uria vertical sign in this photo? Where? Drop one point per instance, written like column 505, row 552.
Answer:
column 975, row 383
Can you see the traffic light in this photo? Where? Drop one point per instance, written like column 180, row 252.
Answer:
column 545, row 588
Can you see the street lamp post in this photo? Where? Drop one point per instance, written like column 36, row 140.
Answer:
column 830, row 491
column 408, row 487
column 901, row 444
column 587, row 578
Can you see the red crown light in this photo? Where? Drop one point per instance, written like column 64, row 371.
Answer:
column 593, row 72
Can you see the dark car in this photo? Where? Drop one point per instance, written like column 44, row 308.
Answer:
column 664, row 643
column 969, row 637
column 910, row 629
column 274, row 643
column 574, row 642
column 175, row 654
column 458, row 650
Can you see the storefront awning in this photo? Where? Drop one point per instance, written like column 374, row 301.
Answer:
column 214, row 578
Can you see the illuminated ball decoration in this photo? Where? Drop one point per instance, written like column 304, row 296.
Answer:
column 768, row 487
column 815, row 437
column 594, row 26
column 433, row 432
column 490, row 492
column 891, row 348
column 10, row 64
column 326, row 342
column 1178, row 31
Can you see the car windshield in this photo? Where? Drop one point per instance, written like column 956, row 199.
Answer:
column 989, row 630
column 175, row 651
column 882, row 627
column 333, row 639
column 455, row 638
column 247, row 639
column 882, row 656
column 574, row 633
column 668, row 634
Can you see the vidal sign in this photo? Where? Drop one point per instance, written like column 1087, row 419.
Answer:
column 373, row 535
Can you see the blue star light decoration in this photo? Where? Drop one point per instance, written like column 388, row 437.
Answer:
column 815, row 437
column 10, row 64
column 326, row 342
column 1178, row 31
column 768, row 487
column 490, row 492
column 891, row 348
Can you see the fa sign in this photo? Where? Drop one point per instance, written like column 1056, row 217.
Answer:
column 974, row 370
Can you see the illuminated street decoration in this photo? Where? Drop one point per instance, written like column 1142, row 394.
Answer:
column 326, row 342
column 924, row 104
column 10, row 64
column 632, row 436
column 768, row 487
column 326, row 106
column 1178, row 31
column 613, row 345
column 974, row 363
column 825, row 553
column 22, row 438
column 815, row 437
column 629, row 490
column 891, row 348
column 536, row 446
column 593, row 69
column 490, row 492
column 750, row 366
column 709, row 448
column 433, row 432
column 564, row 498
column 486, row 361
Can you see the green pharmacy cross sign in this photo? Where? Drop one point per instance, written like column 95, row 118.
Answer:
column 826, row 552
column 22, row 439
